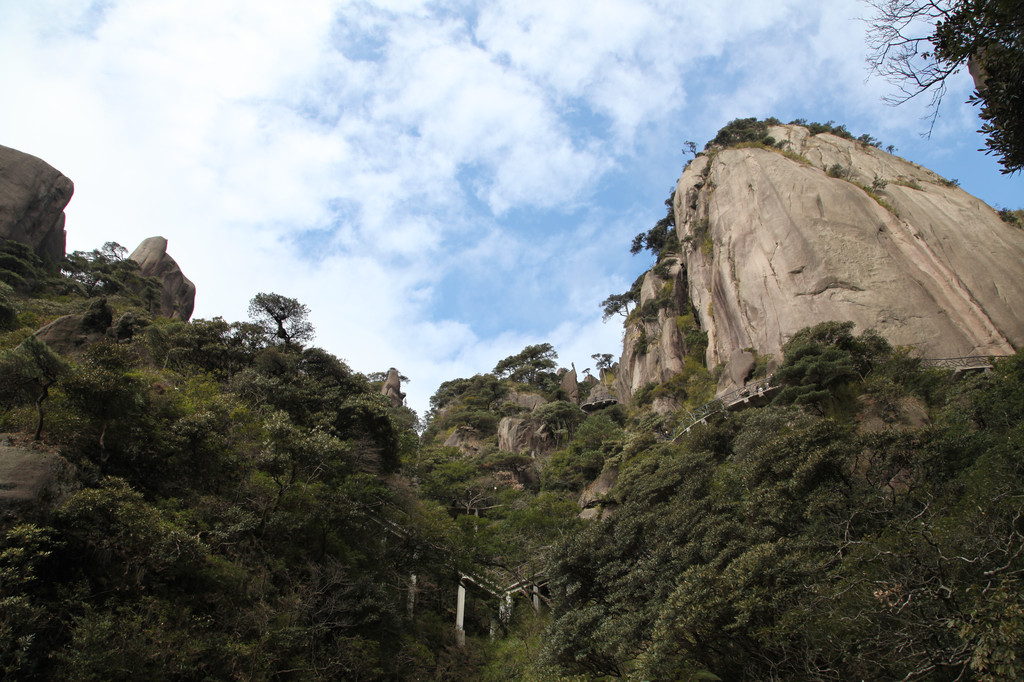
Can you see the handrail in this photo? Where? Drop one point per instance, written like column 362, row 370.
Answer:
column 962, row 362
column 762, row 386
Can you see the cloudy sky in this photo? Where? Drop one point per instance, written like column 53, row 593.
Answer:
column 442, row 183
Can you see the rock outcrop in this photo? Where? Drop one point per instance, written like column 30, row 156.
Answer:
column 72, row 334
column 595, row 501
column 466, row 439
column 32, row 477
column 33, row 195
column 524, row 436
column 570, row 385
column 653, row 348
column 392, row 388
column 828, row 229
column 177, row 292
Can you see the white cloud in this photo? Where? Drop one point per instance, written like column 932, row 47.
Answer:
column 409, row 144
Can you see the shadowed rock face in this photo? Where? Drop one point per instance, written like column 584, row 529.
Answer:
column 32, row 477
column 177, row 292
column 33, row 195
column 792, row 246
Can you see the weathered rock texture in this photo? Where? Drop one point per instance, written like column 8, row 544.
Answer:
column 524, row 436
column 788, row 246
column 177, row 292
column 594, row 500
column 466, row 439
column 570, row 385
column 526, row 401
column 31, row 476
column 392, row 388
column 33, row 195
column 71, row 334
column 653, row 348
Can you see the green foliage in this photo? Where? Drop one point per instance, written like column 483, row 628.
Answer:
column 661, row 238
column 1015, row 218
column 815, row 128
column 282, row 318
column 21, row 268
column 742, row 130
column 917, row 45
column 27, row 374
column 531, row 366
column 107, row 271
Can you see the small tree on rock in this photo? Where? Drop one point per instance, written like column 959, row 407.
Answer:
column 282, row 317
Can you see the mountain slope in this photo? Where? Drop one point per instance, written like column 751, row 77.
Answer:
column 776, row 237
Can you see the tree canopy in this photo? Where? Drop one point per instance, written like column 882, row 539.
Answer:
column 918, row 44
column 282, row 318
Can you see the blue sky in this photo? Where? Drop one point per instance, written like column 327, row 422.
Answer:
column 442, row 183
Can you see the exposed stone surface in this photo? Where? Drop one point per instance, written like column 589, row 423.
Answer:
column 33, row 195
column 600, row 396
column 594, row 498
column 741, row 364
column 73, row 333
column 32, row 476
column 570, row 386
column 662, row 358
column 524, row 436
column 791, row 246
column 177, row 292
column 528, row 401
column 465, row 438
column 392, row 388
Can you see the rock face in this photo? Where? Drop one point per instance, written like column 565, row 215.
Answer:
column 466, row 439
column 33, row 195
column 524, row 436
column 31, row 477
column 527, row 401
column 570, row 385
column 594, row 500
column 772, row 243
column 653, row 348
column 177, row 292
column 392, row 388
column 72, row 334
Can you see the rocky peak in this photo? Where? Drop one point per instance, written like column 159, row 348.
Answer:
column 392, row 388
column 33, row 195
column 177, row 292
column 820, row 228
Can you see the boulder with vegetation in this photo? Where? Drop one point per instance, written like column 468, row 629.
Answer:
column 33, row 195
column 177, row 296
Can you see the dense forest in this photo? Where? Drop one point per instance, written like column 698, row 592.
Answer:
column 236, row 503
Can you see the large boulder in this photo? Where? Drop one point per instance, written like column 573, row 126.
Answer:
column 524, row 436
column 467, row 439
column 72, row 334
column 32, row 477
column 595, row 501
column 177, row 292
column 33, row 195
column 526, row 401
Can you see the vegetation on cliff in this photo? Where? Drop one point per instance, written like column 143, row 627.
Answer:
column 246, row 506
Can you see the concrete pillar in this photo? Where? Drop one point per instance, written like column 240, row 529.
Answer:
column 460, row 616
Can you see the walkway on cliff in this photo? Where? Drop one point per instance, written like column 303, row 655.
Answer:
column 757, row 393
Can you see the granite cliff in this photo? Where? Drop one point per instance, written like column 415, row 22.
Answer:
column 807, row 228
column 33, row 195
